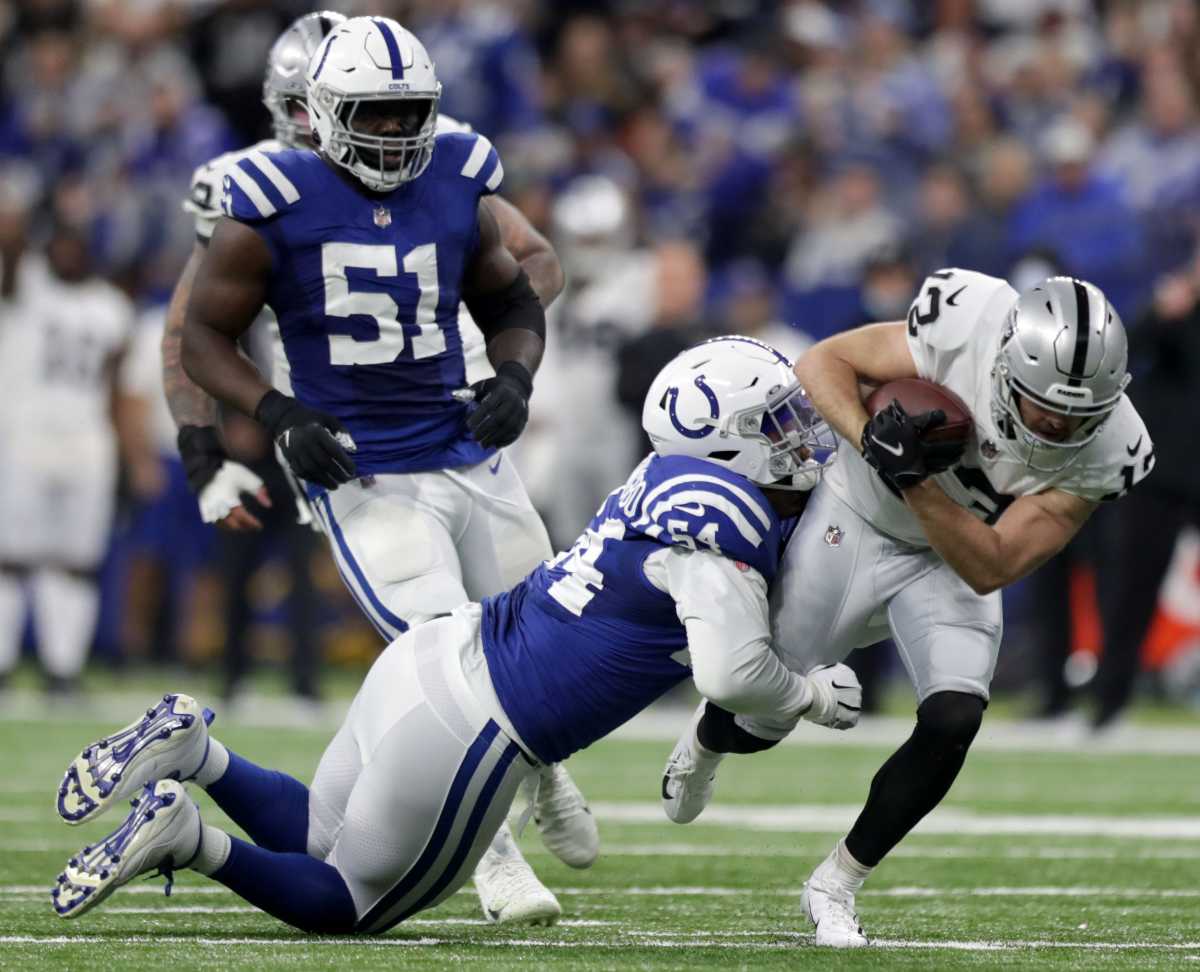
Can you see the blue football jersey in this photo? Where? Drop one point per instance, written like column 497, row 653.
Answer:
column 366, row 289
column 586, row 642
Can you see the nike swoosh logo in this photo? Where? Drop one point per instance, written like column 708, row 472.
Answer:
column 895, row 450
column 496, row 468
column 695, row 510
column 951, row 301
column 1132, row 450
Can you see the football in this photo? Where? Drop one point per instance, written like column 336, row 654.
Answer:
column 916, row 395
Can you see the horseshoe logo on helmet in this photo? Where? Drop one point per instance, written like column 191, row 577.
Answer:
column 713, row 406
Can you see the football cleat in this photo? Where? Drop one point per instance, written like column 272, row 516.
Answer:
column 169, row 742
column 831, row 910
column 690, row 776
column 162, row 831
column 564, row 819
column 509, row 891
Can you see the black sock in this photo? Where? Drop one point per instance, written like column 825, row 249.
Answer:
column 917, row 775
column 718, row 733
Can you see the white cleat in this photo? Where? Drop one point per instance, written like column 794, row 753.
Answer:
column 169, row 742
column 690, row 776
column 831, row 910
column 509, row 891
column 564, row 819
column 163, row 831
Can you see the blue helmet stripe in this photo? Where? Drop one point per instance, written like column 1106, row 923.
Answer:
column 393, row 49
column 321, row 66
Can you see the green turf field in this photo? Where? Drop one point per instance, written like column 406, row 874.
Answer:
column 1037, row 859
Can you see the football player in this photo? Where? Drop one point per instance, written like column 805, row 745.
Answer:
column 64, row 333
column 669, row 580
column 903, row 538
column 397, row 534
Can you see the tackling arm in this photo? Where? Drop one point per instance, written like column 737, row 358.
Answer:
column 831, row 372
column 1031, row 531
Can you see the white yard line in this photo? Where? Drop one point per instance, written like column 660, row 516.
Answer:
column 645, row 938
column 836, row 818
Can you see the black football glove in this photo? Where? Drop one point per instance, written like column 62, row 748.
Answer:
column 892, row 444
column 202, row 454
column 307, row 439
column 502, row 405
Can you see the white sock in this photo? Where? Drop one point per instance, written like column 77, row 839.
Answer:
column 505, row 846
column 848, row 872
column 12, row 620
column 214, row 766
column 65, row 607
column 214, row 850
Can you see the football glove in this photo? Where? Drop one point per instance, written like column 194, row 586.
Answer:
column 837, row 697
column 502, row 406
column 892, row 444
column 217, row 480
column 314, row 443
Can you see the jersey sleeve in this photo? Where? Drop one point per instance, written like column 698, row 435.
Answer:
column 711, row 510
column 723, row 607
column 1119, row 458
column 256, row 187
column 481, row 164
column 948, row 308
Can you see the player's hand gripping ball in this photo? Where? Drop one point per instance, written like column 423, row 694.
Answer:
column 916, row 428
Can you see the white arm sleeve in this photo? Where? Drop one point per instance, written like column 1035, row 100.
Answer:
column 724, row 609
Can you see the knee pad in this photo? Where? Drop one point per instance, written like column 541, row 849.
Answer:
column 953, row 718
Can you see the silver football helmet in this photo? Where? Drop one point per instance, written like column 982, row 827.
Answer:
column 283, row 85
column 1063, row 348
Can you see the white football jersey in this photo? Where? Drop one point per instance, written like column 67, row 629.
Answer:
column 204, row 202
column 59, row 344
column 954, row 329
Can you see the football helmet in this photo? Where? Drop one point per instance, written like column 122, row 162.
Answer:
column 365, row 65
column 283, row 85
column 1063, row 347
column 734, row 401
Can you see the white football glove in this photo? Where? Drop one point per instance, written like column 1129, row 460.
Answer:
column 837, row 697
column 224, row 491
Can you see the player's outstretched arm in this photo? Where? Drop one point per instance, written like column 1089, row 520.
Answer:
column 504, row 305
column 831, row 371
column 217, row 481
column 1031, row 531
column 529, row 248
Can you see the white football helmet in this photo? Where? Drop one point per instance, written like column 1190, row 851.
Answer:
column 283, row 84
column 735, row 401
column 1063, row 348
column 369, row 65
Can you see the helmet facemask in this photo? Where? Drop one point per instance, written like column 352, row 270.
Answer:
column 801, row 443
column 286, row 114
column 381, row 162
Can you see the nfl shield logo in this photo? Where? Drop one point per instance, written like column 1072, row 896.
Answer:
column 383, row 217
column 988, row 450
column 833, row 536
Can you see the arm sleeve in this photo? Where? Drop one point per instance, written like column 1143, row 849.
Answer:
column 723, row 607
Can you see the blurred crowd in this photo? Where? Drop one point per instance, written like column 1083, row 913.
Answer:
column 785, row 168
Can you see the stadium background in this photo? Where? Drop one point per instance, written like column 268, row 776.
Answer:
column 784, row 169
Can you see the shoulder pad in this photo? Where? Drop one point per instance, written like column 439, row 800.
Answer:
column 473, row 157
column 952, row 306
column 204, row 193
column 700, row 505
column 259, row 184
column 1119, row 458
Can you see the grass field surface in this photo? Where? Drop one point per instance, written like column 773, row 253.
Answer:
column 1043, row 856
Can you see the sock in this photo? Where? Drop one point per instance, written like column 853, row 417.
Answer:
column 216, row 762
column 214, row 850
column 295, row 888
column 270, row 806
column 65, row 607
column 12, row 618
column 849, row 872
column 719, row 731
column 504, row 846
